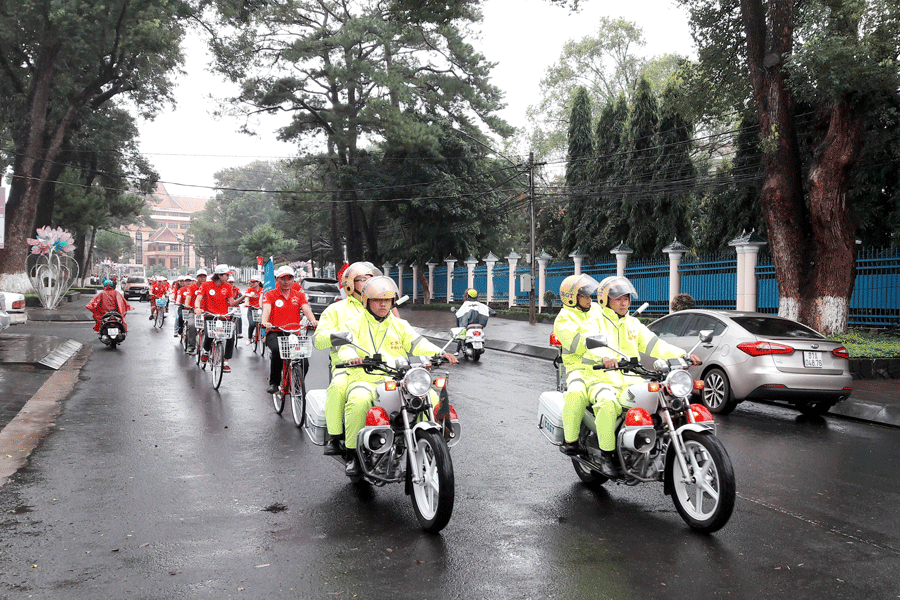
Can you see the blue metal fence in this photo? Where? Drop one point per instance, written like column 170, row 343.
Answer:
column 711, row 280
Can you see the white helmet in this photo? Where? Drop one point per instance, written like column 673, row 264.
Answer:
column 614, row 287
column 201, row 272
column 284, row 270
column 379, row 288
column 220, row 269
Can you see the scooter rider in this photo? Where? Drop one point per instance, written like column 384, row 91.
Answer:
column 377, row 331
column 472, row 312
column 331, row 320
column 630, row 337
column 108, row 300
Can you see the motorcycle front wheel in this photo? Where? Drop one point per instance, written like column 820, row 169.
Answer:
column 704, row 496
column 433, row 498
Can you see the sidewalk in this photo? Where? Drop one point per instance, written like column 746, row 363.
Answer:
column 874, row 400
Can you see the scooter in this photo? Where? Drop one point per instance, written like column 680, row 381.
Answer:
column 112, row 329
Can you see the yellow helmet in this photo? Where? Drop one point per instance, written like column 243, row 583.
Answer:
column 357, row 269
column 379, row 288
column 614, row 287
column 472, row 293
column 576, row 285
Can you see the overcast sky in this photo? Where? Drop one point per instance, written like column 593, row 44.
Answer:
column 524, row 37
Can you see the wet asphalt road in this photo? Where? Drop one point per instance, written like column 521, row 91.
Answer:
column 154, row 486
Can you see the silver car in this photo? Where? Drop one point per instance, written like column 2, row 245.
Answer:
column 756, row 356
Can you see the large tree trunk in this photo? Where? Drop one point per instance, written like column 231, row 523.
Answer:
column 782, row 192
column 826, row 301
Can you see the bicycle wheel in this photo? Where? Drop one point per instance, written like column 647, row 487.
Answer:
column 217, row 362
column 255, row 337
column 160, row 318
column 184, row 337
column 298, row 393
column 283, row 391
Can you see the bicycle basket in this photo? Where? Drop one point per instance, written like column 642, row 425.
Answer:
column 186, row 314
column 198, row 322
column 162, row 301
column 220, row 330
column 295, row 347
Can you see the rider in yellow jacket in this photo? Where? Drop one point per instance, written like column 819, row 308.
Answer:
column 377, row 331
column 333, row 319
column 631, row 338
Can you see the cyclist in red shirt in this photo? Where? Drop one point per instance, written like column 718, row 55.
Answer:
column 283, row 307
column 216, row 296
column 253, row 295
column 188, row 298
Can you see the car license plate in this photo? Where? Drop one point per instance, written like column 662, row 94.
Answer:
column 812, row 360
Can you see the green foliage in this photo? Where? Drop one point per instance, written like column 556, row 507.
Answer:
column 112, row 245
column 264, row 240
column 862, row 344
column 579, row 166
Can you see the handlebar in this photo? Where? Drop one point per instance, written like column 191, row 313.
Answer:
column 301, row 328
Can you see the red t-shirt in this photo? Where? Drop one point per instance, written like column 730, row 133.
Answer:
column 285, row 311
column 253, row 296
column 189, row 294
column 214, row 298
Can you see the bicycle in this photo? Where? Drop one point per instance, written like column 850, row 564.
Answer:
column 185, row 340
column 295, row 351
column 219, row 329
column 159, row 310
column 257, row 336
column 199, row 325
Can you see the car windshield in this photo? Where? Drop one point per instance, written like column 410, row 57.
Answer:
column 136, row 280
column 776, row 327
column 320, row 286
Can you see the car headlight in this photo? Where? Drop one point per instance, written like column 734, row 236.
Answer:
column 417, row 382
column 680, row 383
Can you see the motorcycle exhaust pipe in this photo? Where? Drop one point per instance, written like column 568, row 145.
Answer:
column 639, row 440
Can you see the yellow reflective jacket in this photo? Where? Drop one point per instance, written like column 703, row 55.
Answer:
column 571, row 327
column 392, row 338
column 334, row 319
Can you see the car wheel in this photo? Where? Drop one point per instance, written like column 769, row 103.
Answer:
column 717, row 396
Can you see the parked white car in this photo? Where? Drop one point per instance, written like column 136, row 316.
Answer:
column 12, row 305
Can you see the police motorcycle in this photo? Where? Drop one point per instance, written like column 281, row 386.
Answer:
column 406, row 439
column 471, row 317
column 660, row 437
column 112, row 329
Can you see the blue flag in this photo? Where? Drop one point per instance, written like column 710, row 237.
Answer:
column 268, row 276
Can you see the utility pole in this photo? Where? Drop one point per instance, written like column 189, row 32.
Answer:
column 531, row 294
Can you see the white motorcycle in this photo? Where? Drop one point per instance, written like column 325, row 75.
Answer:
column 660, row 437
column 405, row 439
column 472, row 316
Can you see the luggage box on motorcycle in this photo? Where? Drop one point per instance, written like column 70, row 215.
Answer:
column 550, row 406
column 315, row 417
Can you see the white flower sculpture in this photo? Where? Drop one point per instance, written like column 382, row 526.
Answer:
column 49, row 241
column 50, row 267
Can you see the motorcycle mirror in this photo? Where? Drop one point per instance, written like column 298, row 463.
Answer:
column 341, row 338
column 640, row 309
column 706, row 336
column 596, row 341
column 455, row 331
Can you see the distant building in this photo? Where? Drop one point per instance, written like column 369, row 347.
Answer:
column 166, row 246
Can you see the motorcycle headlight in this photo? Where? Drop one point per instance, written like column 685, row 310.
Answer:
column 680, row 383
column 417, row 382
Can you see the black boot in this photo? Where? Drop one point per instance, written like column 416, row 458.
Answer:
column 352, row 468
column 608, row 465
column 332, row 447
column 569, row 448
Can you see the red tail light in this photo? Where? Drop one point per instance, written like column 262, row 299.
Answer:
column 377, row 416
column 841, row 353
column 763, row 348
column 699, row 384
column 638, row 416
column 700, row 413
column 18, row 304
column 554, row 341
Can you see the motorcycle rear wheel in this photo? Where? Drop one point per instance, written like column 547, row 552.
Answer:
column 433, row 498
column 707, row 501
column 591, row 478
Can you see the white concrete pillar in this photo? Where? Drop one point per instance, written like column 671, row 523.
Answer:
column 513, row 259
column 400, row 267
column 578, row 258
column 675, row 250
column 415, row 281
column 490, row 260
column 747, row 246
column 543, row 258
column 621, row 253
column 470, row 271
column 451, row 262
column 386, row 269
column 430, row 295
